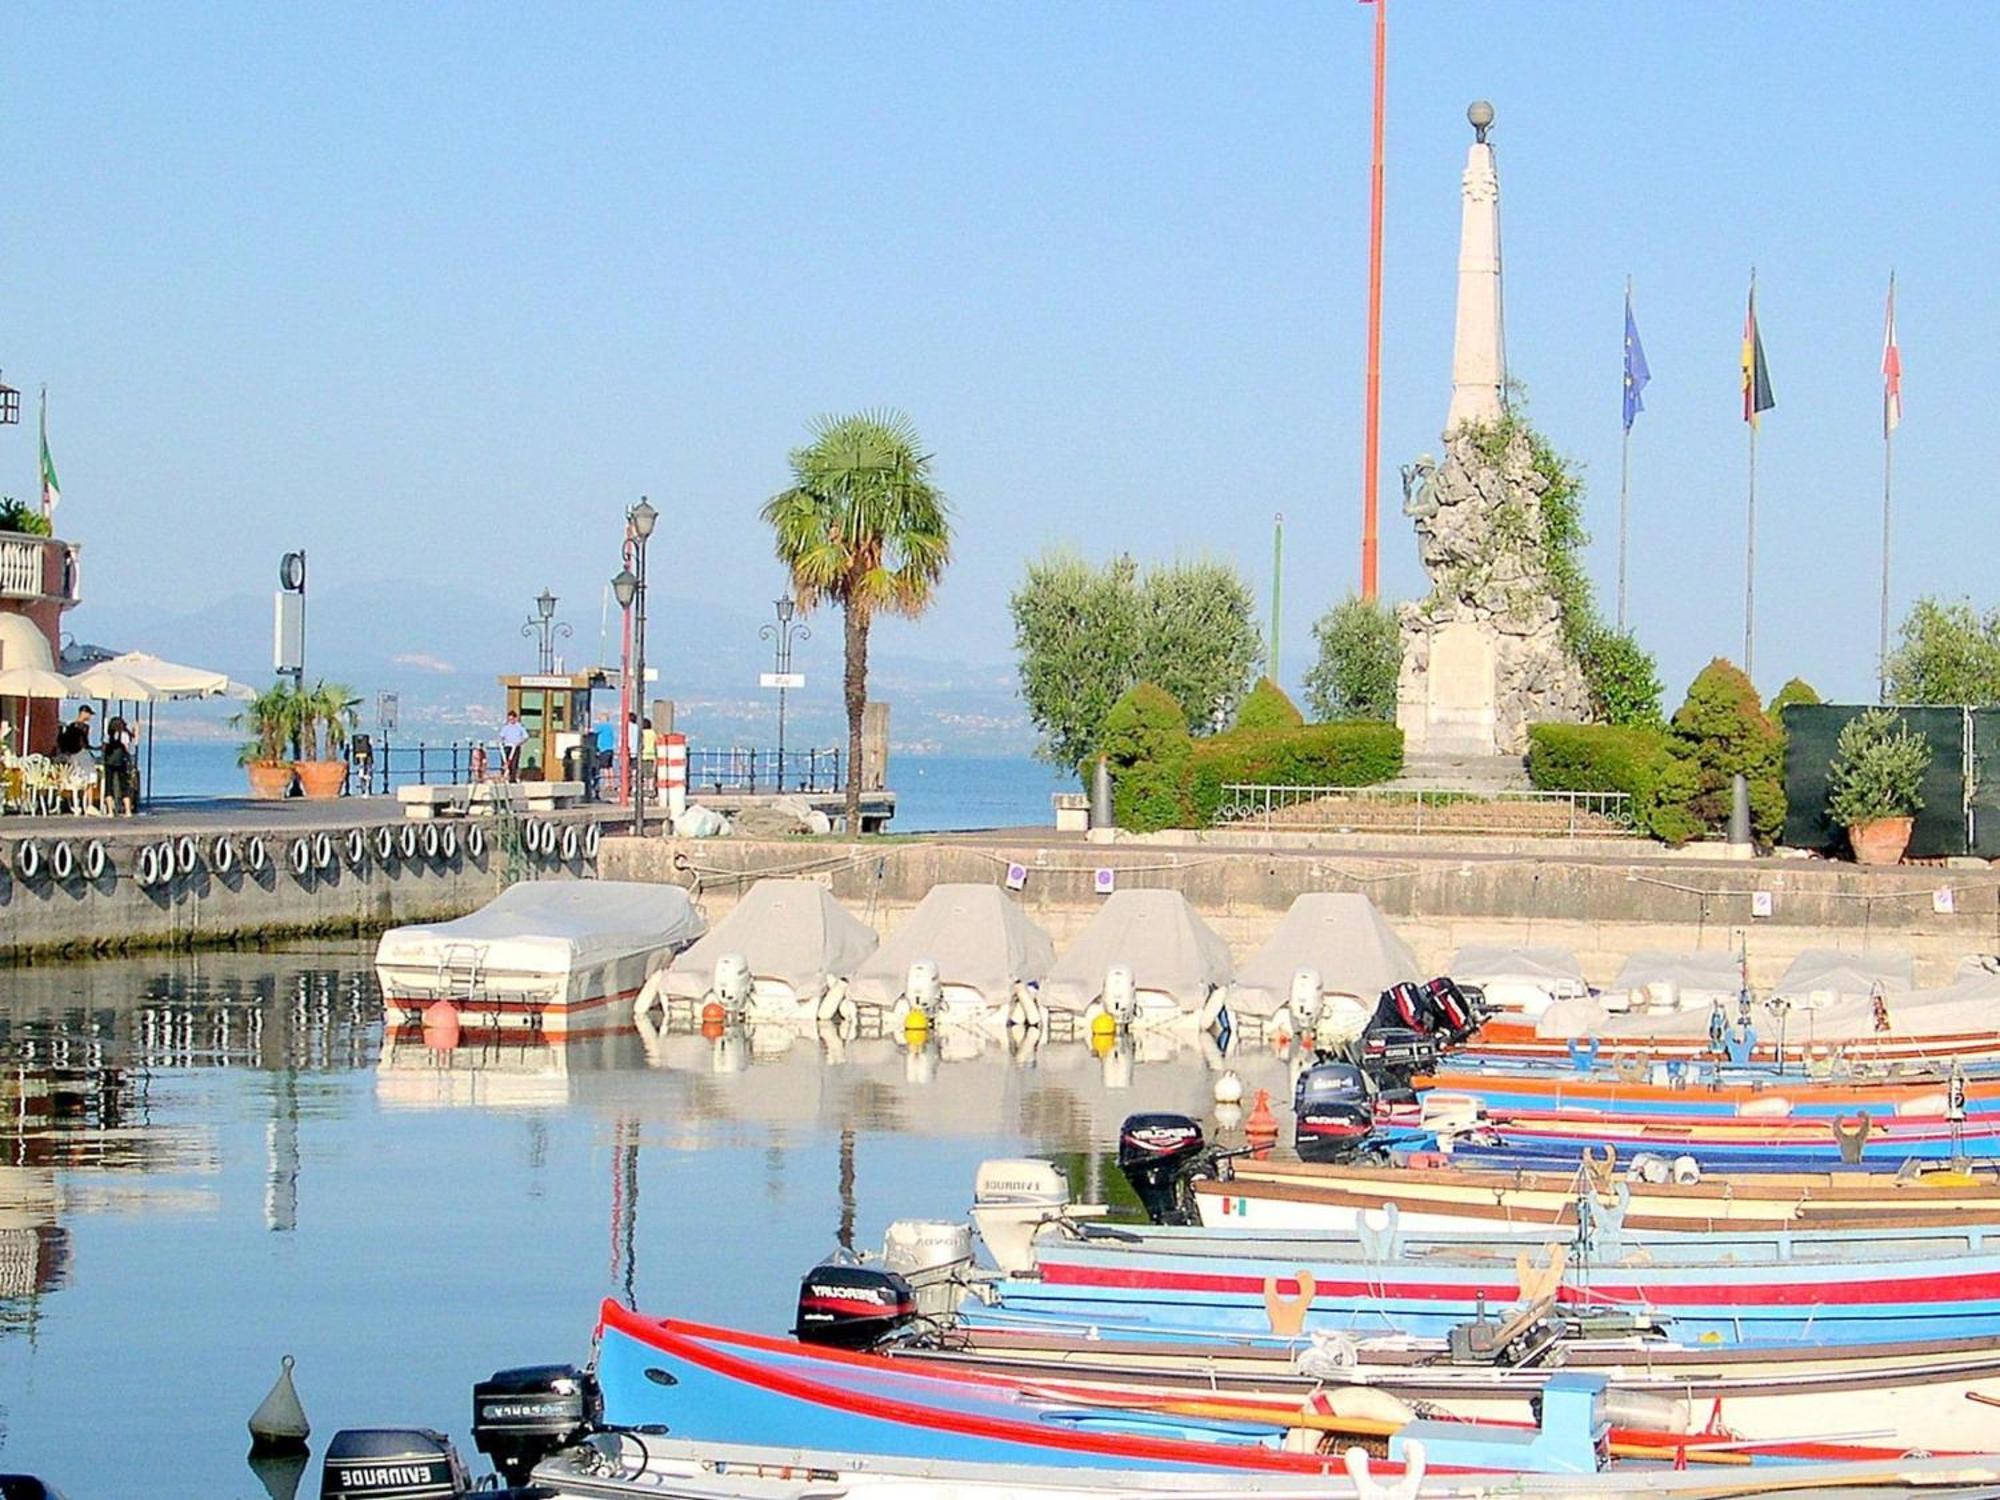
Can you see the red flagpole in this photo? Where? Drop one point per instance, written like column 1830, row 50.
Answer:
column 1371, row 446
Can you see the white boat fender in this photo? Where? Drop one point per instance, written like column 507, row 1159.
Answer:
column 475, row 842
column 323, row 850
column 1687, row 1171
column 222, row 854
column 1229, row 1088
column 550, row 838
column 357, row 847
column 62, row 860
column 255, row 855
column 28, row 859
column 450, row 844
column 408, row 841
column 385, row 843
column 590, row 838
column 433, row 840
column 166, row 860
column 572, row 843
column 301, row 857
column 95, row 859
column 186, row 854
column 148, row 871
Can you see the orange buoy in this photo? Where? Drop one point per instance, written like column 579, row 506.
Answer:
column 712, row 1027
column 713, row 1013
column 1261, row 1128
column 441, row 1025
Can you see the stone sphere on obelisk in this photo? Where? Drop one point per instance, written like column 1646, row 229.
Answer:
column 1479, row 349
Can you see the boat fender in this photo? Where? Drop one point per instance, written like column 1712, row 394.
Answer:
column 255, row 855
column 590, row 838
column 95, row 859
column 301, row 857
column 323, row 850
column 1367, row 1487
column 357, row 847
column 433, row 840
column 450, row 845
column 186, row 854
column 408, row 841
column 62, row 860
column 1363, row 1402
column 475, row 842
column 547, row 834
column 385, row 843
column 166, row 860
column 148, row 871
column 222, row 853
column 1687, row 1171
column 1646, row 1411
column 572, row 844
column 1288, row 1314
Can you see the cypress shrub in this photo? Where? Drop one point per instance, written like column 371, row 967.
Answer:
column 1146, row 740
column 1269, row 707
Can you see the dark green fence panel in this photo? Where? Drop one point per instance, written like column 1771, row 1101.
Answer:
column 1811, row 733
column 1985, row 774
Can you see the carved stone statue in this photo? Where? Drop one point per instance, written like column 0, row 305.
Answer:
column 1418, row 480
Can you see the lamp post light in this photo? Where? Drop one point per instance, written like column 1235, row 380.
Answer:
column 545, row 628
column 781, row 636
column 630, row 587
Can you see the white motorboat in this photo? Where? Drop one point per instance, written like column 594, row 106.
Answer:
column 1146, row 959
column 1324, row 968
column 784, row 953
column 967, row 955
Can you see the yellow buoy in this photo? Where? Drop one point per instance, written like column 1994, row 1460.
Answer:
column 1103, row 1024
column 915, row 1023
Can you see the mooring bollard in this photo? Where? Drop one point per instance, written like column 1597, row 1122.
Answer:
column 1101, row 815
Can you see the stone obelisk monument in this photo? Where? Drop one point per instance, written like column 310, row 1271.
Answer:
column 1484, row 654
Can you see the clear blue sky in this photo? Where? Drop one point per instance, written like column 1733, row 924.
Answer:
column 441, row 288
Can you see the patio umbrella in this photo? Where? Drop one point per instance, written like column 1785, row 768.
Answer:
column 107, row 680
column 164, row 680
column 32, row 683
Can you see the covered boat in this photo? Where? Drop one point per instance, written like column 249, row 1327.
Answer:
column 967, row 953
column 1324, row 966
column 1822, row 977
column 783, row 953
column 1663, row 980
column 542, row 957
column 1523, row 981
column 1146, row 957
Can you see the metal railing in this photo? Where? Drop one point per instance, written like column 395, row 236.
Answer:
column 421, row 764
column 1403, row 809
column 747, row 769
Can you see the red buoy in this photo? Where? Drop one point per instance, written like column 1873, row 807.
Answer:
column 712, row 1014
column 441, row 1026
column 1261, row 1128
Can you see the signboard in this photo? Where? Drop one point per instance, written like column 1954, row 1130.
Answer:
column 386, row 704
column 781, row 679
column 1105, row 881
column 288, row 632
column 550, row 681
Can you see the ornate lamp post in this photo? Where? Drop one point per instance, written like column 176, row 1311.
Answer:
column 544, row 626
column 630, row 587
column 781, row 636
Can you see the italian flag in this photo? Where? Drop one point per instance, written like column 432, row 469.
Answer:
column 51, row 486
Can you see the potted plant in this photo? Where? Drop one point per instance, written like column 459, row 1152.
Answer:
column 326, row 718
column 1874, row 784
column 270, row 718
column 22, row 519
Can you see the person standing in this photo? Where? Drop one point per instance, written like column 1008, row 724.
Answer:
column 513, row 735
column 121, row 772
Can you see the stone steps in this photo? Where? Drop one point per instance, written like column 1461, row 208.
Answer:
column 1464, row 773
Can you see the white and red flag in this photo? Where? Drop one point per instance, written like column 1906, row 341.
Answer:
column 1892, row 367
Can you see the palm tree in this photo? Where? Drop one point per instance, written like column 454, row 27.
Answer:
column 862, row 525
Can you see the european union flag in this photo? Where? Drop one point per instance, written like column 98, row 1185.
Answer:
column 1636, row 373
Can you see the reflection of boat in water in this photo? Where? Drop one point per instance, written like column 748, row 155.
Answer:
column 552, row 958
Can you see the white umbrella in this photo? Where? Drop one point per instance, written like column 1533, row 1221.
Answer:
column 32, row 683
column 108, row 680
column 169, row 679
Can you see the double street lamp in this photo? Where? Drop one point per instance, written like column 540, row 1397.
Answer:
column 630, row 586
column 781, row 636
column 544, row 624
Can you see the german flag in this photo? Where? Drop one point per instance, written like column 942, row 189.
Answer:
column 1757, row 396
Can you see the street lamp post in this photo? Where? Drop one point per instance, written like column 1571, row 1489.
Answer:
column 630, row 587
column 544, row 625
column 781, row 636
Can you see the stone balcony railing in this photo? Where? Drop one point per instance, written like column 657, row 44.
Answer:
column 37, row 567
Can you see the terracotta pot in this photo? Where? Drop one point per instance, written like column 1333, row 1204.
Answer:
column 321, row 779
column 269, row 779
column 1880, row 841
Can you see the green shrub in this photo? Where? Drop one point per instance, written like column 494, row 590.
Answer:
column 1268, row 707
column 20, row 517
column 1798, row 690
column 1623, row 679
column 1146, row 741
column 1360, row 653
column 1634, row 759
column 1719, row 731
column 1877, row 771
column 1315, row 755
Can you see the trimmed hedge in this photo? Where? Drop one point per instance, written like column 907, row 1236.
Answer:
column 1147, row 744
column 1635, row 759
column 1269, row 707
column 1331, row 755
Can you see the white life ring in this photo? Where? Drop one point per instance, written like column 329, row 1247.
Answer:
column 255, row 855
column 94, row 860
column 475, row 841
column 186, row 854
column 357, row 847
column 432, row 841
column 323, row 853
column 62, row 860
column 590, row 836
column 385, row 843
column 28, row 859
column 148, row 871
column 222, row 854
column 409, row 841
column 301, row 857
column 572, row 842
column 450, row 843
column 166, row 862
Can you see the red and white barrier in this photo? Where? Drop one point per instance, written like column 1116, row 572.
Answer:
column 671, row 768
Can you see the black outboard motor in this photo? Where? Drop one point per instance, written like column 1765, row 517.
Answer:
column 1334, row 1108
column 521, row 1416
column 847, row 1306
column 26, row 1487
column 1394, row 1057
column 1455, row 1016
column 1160, row 1155
column 1403, row 1006
column 392, row 1463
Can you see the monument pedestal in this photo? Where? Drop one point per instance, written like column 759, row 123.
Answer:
column 1446, row 695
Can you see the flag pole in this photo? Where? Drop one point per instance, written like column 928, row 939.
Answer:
column 1277, row 589
column 1371, row 446
column 1624, row 479
column 1750, row 534
column 1888, row 470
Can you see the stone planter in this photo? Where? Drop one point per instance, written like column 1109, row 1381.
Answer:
column 270, row 780
column 1880, row 841
column 321, row 779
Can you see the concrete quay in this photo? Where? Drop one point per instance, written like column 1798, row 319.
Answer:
column 1602, row 904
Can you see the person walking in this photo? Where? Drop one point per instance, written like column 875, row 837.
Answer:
column 513, row 735
column 121, row 772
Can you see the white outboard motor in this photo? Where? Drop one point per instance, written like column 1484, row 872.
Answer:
column 1308, row 995
column 923, row 989
column 1015, row 1200
column 935, row 1258
column 733, row 983
column 1121, row 995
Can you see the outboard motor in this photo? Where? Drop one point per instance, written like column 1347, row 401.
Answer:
column 1121, row 995
column 1394, row 1056
column 1335, row 1112
column 391, row 1463
column 1405, row 1006
column 922, row 988
column 1307, row 997
column 1160, row 1155
column 1456, row 1018
column 521, row 1416
column 733, row 983
column 848, row 1306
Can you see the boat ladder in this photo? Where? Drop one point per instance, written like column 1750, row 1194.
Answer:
column 461, row 970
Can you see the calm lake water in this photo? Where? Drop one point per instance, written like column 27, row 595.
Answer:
column 213, row 1161
column 934, row 792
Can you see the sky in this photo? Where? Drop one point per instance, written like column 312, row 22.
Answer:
column 437, row 291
